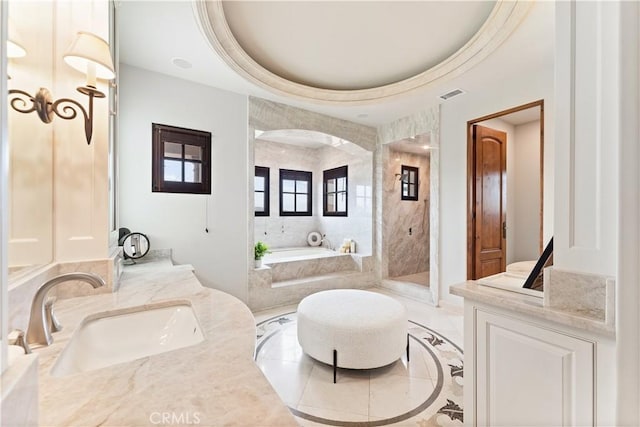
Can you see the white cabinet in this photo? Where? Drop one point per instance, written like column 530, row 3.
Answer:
column 529, row 375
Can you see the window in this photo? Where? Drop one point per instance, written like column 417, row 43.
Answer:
column 295, row 193
column 181, row 160
column 335, row 192
column 261, row 191
column 409, row 183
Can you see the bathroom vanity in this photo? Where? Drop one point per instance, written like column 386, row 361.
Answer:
column 212, row 381
column 540, row 360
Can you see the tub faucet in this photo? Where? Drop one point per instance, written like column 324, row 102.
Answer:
column 42, row 317
column 327, row 241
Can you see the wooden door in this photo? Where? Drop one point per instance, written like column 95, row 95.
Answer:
column 489, row 201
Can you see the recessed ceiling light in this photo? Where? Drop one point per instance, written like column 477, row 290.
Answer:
column 181, row 63
column 426, row 147
column 397, row 159
column 363, row 115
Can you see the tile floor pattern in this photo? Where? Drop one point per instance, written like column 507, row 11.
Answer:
column 427, row 391
column 421, row 278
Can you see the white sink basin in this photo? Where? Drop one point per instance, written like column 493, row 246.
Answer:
column 110, row 338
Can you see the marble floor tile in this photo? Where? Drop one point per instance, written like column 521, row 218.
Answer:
column 349, row 395
column 391, row 395
column 421, row 278
column 289, row 379
column 328, row 414
column 416, row 368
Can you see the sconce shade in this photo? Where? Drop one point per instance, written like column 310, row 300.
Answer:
column 14, row 50
column 14, row 42
column 88, row 48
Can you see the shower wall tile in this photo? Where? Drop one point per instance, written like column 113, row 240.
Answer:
column 358, row 225
column 408, row 251
column 426, row 122
column 274, row 230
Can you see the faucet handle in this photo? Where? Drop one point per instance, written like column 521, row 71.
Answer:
column 50, row 317
column 17, row 337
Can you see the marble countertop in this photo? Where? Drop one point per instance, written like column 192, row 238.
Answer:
column 213, row 383
column 533, row 306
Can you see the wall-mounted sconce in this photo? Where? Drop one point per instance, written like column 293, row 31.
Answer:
column 88, row 53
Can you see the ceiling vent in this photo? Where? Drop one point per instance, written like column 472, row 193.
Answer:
column 449, row 95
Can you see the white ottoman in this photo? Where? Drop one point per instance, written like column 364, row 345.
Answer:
column 361, row 329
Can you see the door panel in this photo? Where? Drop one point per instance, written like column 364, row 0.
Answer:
column 490, row 164
column 528, row 375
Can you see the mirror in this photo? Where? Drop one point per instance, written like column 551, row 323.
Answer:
column 30, row 224
column 506, row 182
column 34, row 146
column 135, row 245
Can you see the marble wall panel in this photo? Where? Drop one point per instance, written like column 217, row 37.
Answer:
column 312, row 267
column 263, row 295
column 406, row 222
column 423, row 122
column 590, row 295
column 21, row 292
column 267, row 115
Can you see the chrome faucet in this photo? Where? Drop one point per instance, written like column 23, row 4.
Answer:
column 328, row 242
column 42, row 317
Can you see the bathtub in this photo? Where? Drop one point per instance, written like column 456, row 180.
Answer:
column 297, row 254
column 298, row 263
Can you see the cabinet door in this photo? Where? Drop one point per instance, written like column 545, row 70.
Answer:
column 531, row 376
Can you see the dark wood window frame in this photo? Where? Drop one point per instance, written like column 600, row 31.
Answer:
column 288, row 174
column 405, row 171
column 185, row 137
column 335, row 173
column 261, row 171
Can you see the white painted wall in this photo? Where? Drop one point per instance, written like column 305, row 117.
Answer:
column 178, row 221
column 508, row 93
column 526, row 242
